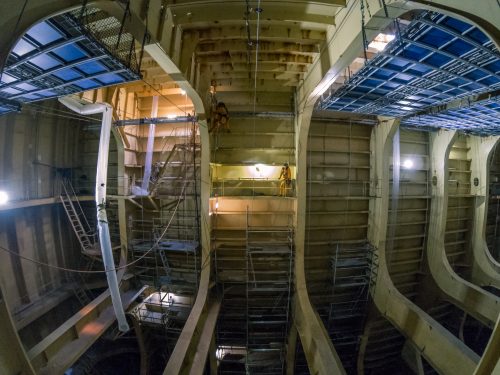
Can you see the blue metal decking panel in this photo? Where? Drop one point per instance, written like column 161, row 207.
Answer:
column 482, row 118
column 434, row 61
column 58, row 57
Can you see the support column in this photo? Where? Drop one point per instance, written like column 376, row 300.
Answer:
column 485, row 269
column 477, row 302
column 184, row 353
column 445, row 352
column 318, row 348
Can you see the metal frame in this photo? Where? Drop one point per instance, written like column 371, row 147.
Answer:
column 67, row 44
column 435, row 60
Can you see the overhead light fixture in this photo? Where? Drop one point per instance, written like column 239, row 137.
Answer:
column 408, row 164
column 381, row 41
column 262, row 171
column 4, row 197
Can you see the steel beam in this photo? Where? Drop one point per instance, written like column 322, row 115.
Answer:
column 206, row 339
column 15, row 205
column 445, row 352
column 485, row 269
column 193, row 333
column 62, row 348
column 157, row 120
column 477, row 302
column 318, row 348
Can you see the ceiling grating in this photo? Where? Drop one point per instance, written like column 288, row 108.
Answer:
column 65, row 54
column 433, row 61
column 481, row 118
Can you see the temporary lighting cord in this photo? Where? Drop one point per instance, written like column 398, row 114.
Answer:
column 112, row 269
column 60, row 112
column 183, row 110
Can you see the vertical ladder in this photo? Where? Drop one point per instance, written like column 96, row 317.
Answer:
column 77, row 219
column 81, row 295
column 78, row 287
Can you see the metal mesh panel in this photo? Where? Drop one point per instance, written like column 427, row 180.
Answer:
column 110, row 34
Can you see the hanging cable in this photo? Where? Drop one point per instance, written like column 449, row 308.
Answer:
column 398, row 30
column 363, row 31
column 368, row 9
column 153, row 247
column 384, row 5
column 125, row 14
column 258, row 10
column 247, row 25
column 146, row 38
column 183, row 110
column 82, row 11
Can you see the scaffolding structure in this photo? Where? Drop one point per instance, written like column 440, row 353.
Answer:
column 254, row 268
column 435, row 60
column 352, row 269
column 172, row 230
column 163, row 309
column 268, row 292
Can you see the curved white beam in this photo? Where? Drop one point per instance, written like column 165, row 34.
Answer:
column 485, row 269
column 445, row 352
column 479, row 303
column 100, row 198
column 318, row 348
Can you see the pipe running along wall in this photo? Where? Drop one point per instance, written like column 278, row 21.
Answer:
column 143, row 190
column 100, row 198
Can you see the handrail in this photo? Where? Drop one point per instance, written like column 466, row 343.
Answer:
column 65, row 183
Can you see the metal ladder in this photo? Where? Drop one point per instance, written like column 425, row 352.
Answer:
column 166, row 265
column 78, row 286
column 77, row 219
